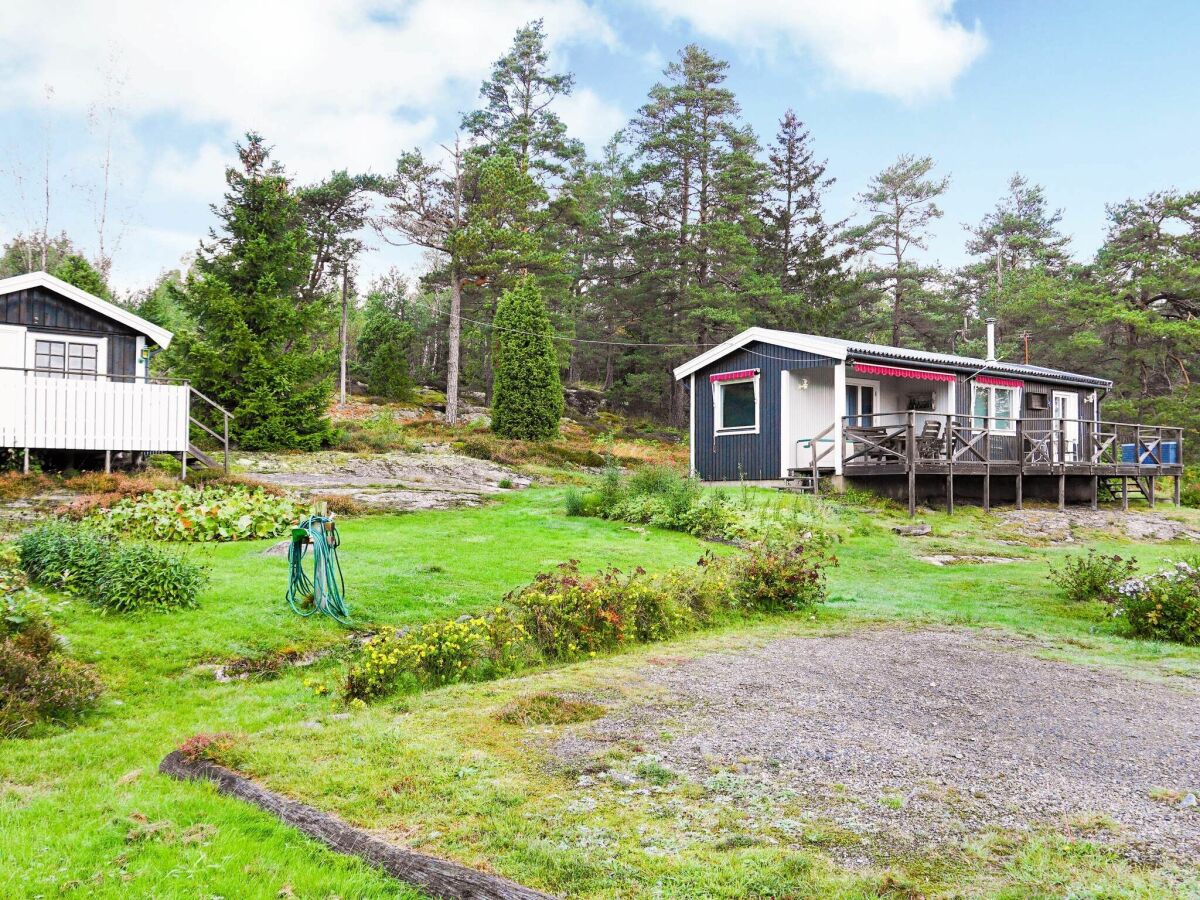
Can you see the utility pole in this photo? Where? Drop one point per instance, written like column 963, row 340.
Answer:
column 1025, row 336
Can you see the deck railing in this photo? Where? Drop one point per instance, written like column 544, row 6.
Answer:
column 47, row 410
column 910, row 442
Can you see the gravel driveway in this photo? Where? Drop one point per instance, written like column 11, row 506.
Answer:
column 917, row 738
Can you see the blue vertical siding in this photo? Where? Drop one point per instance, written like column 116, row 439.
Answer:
column 754, row 457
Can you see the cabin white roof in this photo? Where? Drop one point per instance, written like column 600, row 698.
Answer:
column 160, row 336
column 840, row 349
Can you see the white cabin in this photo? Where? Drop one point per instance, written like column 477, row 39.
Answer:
column 75, row 375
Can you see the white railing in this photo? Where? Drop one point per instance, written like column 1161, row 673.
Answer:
column 99, row 412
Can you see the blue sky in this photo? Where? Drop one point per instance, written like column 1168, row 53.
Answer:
column 1094, row 100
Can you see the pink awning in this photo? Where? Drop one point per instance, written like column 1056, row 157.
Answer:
column 733, row 376
column 999, row 382
column 897, row 372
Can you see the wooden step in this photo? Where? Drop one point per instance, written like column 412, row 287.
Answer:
column 203, row 458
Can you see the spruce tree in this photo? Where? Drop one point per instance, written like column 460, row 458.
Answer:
column 257, row 343
column 527, row 399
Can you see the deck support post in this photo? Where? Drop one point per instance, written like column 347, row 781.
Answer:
column 183, row 466
column 1062, row 487
column 1153, row 479
column 1124, row 492
column 950, row 493
column 910, row 435
column 1095, row 492
column 987, row 468
column 1178, row 490
column 107, row 462
column 1020, row 489
column 949, row 465
column 25, row 464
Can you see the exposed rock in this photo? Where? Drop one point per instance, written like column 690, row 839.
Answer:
column 950, row 559
column 583, row 403
column 918, row 530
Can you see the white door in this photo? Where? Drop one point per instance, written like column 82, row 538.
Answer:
column 1066, row 421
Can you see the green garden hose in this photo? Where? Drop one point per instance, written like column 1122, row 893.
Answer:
column 323, row 591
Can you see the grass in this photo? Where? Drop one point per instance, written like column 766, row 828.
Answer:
column 462, row 771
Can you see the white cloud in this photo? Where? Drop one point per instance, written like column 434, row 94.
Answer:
column 591, row 118
column 331, row 84
column 908, row 49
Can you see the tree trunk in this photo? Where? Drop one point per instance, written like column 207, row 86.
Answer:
column 455, row 332
column 344, row 334
column 436, row 877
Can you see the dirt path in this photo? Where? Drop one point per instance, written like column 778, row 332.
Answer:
column 918, row 738
column 401, row 481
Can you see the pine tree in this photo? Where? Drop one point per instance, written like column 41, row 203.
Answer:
column 902, row 203
column 383, row 348
column 74, row 269
column 798, row 244
column 517, row 117
column 527, row 395
column 256, row 346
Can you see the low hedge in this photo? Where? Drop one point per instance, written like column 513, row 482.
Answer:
column 564, row 614
column 117, row 575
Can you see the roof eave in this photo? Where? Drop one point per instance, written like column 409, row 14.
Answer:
column 159, row 335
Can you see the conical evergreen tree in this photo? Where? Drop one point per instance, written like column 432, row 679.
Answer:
column 527, row 397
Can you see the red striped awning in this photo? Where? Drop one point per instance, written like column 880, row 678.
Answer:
column 733, row 376
column 897, row 372
column 1000, row 382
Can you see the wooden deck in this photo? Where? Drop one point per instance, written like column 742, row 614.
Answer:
column 1122, row 457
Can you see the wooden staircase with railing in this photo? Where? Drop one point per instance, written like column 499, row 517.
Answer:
column 807, row 479
column 201, row 456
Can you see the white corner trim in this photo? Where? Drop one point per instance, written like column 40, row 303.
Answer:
column 160, row 336
column 692, row 426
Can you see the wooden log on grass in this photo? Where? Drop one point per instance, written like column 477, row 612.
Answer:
column 437, row 877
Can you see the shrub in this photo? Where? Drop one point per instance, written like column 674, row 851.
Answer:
column 658, row 496
column 781, row 579
column 433, row 654
column 573, row 502
column 224, row 513
column 566, row 613
column 1095, row 577
column 527, row 400
column 1189, row 493
column 1163, row 606
column 209, row 747
column 120, row 576
column 37, row 682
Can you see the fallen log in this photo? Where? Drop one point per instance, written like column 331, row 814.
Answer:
column 437, row 877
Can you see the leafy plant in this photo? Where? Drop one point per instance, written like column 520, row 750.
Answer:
column 782, row 578
column 217, row 513
column 116, row 575
column 1095, row 577
column 659, row 496
column 1163, row 606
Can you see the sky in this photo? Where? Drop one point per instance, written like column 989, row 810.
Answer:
column 1093, row 99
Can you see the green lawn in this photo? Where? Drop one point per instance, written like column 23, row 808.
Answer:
column 71, row 803
column 82, row 812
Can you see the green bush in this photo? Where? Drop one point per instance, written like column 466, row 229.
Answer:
column 527, row 400
column 1163, row 606
column 211, row 513
column 658, row 496
column 1095, row 577
column 1189, row 493
column 38, row 684
column 564, row 614
column 123, row 577
column 782, row 579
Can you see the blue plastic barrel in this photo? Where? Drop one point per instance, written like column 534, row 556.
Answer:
column 1167, row 453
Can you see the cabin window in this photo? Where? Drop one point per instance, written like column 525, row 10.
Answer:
column 996, row 403
column 66, row 359
column 737, row 406
column 860, row 403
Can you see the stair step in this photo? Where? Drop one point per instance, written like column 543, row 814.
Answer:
column 203, row 458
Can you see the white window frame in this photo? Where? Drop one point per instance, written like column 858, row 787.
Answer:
column 1014, row 417
column 719, row 406
column 101, row 345
column 861, row 383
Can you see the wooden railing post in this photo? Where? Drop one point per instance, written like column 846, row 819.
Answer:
column 226, row 422
column 816, row 473
column 949, row 464
column 1020, row 483
column 910, row 436
column 989, row 424
column 1062, row 463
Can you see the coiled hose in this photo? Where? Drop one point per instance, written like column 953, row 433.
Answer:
column 324, row 590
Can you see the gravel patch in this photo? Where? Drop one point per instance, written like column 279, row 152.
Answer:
column 913, row 739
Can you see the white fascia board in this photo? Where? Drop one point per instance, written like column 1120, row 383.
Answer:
column 792, row 340
column 160, row 336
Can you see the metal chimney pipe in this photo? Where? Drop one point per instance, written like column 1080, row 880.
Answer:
column 991, row 340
